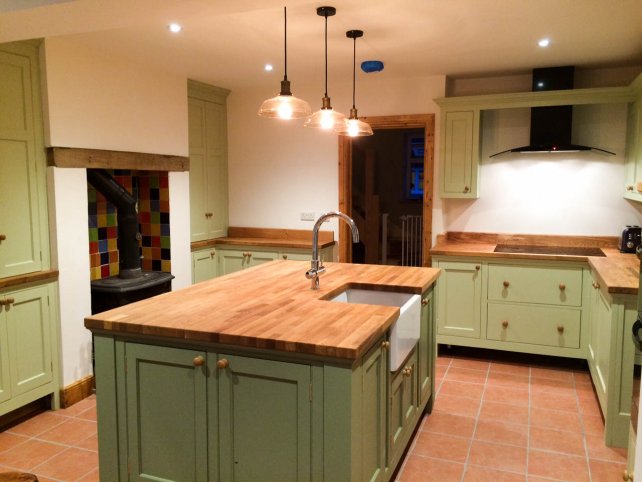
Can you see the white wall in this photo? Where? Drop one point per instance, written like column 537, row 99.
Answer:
column 98, row 102
column 279, row 169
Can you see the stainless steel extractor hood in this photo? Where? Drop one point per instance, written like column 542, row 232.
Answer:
column 551, row 126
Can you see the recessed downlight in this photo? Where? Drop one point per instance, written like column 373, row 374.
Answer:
column 544, row 42
column 174, row 27
column 268, row 67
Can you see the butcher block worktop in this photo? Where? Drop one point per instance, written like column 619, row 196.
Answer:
column 272, row 307
column 617, row 272
column 268, row 237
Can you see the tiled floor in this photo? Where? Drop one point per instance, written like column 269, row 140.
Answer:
column 492, row 421
column 501, row 421
column 56, row 446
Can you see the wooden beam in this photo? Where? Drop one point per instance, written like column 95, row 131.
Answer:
column 105, row 159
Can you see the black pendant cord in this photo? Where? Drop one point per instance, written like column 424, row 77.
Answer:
column 326, row 55
column 285, row 42
column 354, row 69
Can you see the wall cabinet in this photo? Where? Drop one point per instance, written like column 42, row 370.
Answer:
column 210, row 412
column 208, row 161
column 23, row 218
column 633, row 182
column 611, row 356
column 459, row 154
column 28, row 346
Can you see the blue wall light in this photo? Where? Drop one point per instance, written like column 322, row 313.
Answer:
column 369, row 66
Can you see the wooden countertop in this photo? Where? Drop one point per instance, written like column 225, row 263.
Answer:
column 617, row 272
column 268, row 237
column 272, row 307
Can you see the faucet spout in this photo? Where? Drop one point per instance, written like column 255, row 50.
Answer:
column 316, row 267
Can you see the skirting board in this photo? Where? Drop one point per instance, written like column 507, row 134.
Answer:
column 77, row 391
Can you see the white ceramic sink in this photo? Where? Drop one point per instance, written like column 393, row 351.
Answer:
column 405, row 332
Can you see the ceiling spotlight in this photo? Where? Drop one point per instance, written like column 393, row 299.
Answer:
column 174, row 27
column 544, row 42
column 268, row 67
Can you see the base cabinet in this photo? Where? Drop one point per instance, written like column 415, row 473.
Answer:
column 28, row 346
column 211, row 413
column 204, row 264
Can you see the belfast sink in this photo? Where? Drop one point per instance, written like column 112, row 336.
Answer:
column 404, row 334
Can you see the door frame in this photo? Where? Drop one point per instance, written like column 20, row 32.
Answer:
column 412, row 121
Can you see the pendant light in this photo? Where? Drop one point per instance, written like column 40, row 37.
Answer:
column 326, row 117
column 285, row 105
column 353, row 127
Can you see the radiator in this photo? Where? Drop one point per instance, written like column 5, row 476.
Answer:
column 411, row 233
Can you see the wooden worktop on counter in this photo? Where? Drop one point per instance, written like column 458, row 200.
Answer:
column 617, row 272
column 272, row 307
column 268, row 237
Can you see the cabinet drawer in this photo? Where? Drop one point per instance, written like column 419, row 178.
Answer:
column 546, row 285
column 538, row 325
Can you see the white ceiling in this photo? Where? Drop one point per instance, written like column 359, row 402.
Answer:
column 227, row 42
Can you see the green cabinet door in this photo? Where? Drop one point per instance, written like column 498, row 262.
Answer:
column 265, row 420
column 29, row 335
column 426, row 350
column 231, row 260
column 403, row 406
column 199, row 221
column 20, row 201
column 204, row 265
column 259, row 257
column 459, row 299
column 166, row 413
column 460, row 154
column 374, row 405
column 5, row 384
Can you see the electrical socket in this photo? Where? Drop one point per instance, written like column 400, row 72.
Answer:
column 307, row 216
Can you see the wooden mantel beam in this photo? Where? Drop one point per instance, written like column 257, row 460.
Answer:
column 104, row 159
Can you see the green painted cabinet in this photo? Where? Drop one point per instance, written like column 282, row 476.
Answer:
column 204, row 264
column 633, row 182
column 403, row 407
column 28, row 346
column 459, row 154
column 208, row 161
column 231, row 260
column 426, row 350
column 459, row 295
column 611, row 356
column 23, row 216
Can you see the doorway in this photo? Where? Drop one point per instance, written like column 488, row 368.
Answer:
column 404, row 235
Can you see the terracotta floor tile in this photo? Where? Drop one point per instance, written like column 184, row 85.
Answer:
column 79, row 407
column 90, row 443
column 563, row 387
column 509, row 380
column 604, row 471
column 462, row 389
column 38, row 424
column 70, row 432
column 558, row 466
column 503, row 412
column 552, row 373
column 556, row 420
column 425, row 469
column 502, row 394
column 448, row 423
column 69, row 465
column 597, row 449
column 582, row 377
column 501, row 432
column 510, row 368
column 10, row 440
column 566, row 403
column 92, row 476
column 457, row 405
column 593, row 424
column 465, row 375
column 497, row 456
column 570, row 443
column 443, row 360
column 29, row 454
column 589, row 406
column 481, row 474
column 441, row 446
column 89, row 414
column 471, row 363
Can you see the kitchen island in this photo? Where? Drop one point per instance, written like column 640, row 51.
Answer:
column 253, row 376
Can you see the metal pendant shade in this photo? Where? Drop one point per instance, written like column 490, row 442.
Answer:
column 326, row 118
column 285, row 105
column 353, row 127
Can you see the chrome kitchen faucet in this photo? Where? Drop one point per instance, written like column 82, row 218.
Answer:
column 316, row 267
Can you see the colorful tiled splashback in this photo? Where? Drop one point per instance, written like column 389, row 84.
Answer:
column 152, row 191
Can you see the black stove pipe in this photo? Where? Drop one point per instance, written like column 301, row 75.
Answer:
column 127, row 217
